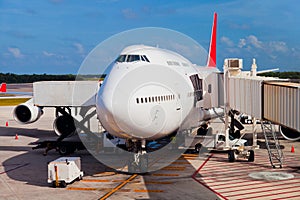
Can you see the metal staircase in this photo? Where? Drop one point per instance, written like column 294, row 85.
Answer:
column 272, row 143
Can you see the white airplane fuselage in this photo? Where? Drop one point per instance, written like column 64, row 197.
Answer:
column 149, row 92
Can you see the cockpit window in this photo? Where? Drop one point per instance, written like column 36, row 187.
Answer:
column 121, row 58
column 132, row 58
column 146, row 59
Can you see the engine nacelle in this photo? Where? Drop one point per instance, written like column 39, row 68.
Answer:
column 289, row 134
column 64, row 125
column 27, row 112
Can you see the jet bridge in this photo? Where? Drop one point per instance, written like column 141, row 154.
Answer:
column 265, row 98
column 271, row 100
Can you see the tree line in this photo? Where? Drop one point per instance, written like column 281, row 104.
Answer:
column 26, row 78
column 284, row 75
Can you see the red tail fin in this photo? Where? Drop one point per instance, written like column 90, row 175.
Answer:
column 3, row 87
column 212, row 55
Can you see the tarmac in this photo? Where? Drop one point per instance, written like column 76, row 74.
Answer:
column 23, row 171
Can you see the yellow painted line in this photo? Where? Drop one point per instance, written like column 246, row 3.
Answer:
column 180, row 163
column 94, row 180
column 165, row 174
column 173, row 168
column 118, row 187
column 148, row 191
column 118, row 181
column 159, row 182
column 75, row 188
column 190, row 155
column 12, row 101
column 105, row 174
column 98, row 189
column 186, row 158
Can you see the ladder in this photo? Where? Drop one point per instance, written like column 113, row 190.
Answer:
column 272, row 144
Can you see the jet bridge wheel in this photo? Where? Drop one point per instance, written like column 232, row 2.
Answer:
column 232, row 155
column 251, row 156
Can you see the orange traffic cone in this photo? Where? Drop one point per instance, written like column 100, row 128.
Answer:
column 6, row 124
column 293, row 149
column 16, row 137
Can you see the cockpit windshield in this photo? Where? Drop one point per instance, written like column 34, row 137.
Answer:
column 132, row 58
column 121, row 58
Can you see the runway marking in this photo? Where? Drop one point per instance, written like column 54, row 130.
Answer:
column 232, row 180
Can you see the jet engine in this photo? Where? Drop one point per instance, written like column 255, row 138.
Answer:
column 289, row 134
column 64, row 125
column 27, row 112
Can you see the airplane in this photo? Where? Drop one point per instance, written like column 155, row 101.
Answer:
column 149, row 93
column 3, row 90
column 3, row 87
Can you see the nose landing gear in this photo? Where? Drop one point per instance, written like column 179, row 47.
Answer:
column 138, row 163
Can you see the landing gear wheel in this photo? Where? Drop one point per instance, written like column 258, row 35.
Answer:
column 231, row 156
column 251, row 156
column 63, row 150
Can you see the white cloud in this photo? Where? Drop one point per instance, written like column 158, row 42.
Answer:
column 129, row 13
column 48, row 54
column 254, row 41
column 227, row 41
column 279, row 46
column 15, row 52
column 80, row 48
column 242, row 43
column 249, row 42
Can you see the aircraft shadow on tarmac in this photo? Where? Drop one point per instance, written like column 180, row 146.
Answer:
column 29, row 165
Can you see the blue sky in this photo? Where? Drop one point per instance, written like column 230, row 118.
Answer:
column 54, row 36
